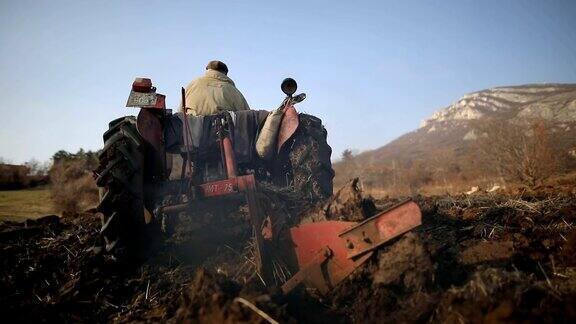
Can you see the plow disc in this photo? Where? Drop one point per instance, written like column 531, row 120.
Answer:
column 327, row 252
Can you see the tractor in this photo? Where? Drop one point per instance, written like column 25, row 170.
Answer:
column 163, row 163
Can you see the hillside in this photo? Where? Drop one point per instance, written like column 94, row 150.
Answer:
column 445, row 148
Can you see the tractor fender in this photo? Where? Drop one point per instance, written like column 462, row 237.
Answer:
column 150, row 128
column 288, row 126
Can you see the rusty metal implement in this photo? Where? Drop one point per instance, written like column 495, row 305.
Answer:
column 321, row 255
column 381, row 228
column 329, row 251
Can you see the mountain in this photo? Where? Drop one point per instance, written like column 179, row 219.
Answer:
column 446, row 144
column 555, row 102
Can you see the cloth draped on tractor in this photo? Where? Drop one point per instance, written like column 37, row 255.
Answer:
column 246, row 126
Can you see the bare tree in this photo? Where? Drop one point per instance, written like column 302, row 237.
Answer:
column 416, row 174
column 521, row 152
column 38, row 168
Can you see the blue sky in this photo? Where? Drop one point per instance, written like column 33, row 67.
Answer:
column 371, row 69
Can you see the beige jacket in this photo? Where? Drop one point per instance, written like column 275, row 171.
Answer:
column 212, row 93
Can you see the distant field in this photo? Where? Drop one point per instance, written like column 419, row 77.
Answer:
column 21, row 204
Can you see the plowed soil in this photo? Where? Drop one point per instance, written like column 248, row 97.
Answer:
column 485, row 258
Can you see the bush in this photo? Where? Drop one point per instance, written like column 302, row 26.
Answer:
column 73, row 188
column 521, row 152
column 13, row 176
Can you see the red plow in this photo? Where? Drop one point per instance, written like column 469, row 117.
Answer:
column 328, row 251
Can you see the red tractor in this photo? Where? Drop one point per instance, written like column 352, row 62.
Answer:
column 160, row 164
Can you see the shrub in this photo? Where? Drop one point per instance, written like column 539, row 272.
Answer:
column 524, row 153
column 13, row 176
column 73, row 188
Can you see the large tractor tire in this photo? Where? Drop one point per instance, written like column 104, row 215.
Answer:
column 306, row 160
column 120, row 176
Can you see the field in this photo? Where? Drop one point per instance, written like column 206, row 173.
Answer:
column 480, row 258
column 17, row 205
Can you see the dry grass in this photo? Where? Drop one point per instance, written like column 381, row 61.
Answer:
column 18, row 205
column 73, row 188
column 565, row 182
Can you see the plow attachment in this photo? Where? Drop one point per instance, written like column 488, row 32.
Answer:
column 327, row 252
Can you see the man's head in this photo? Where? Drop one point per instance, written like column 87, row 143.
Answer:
column 217, row 66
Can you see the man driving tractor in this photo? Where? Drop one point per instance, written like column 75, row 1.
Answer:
column 214, row 92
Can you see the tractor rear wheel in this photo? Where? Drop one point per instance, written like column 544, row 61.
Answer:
column 120, row 176
column 306, row 163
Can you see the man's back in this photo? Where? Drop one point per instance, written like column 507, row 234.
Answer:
column 212, row 93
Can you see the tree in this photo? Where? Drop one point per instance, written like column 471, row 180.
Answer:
column 417, row 174
column 88, row 158
column 347, row 155
column 523, row 152
column 61, row 156
column 37, row 168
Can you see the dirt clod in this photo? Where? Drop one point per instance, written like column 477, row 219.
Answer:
column 406, row 263
column 347, row 204
column 487, row 251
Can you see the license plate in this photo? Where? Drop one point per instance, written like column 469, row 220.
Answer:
column 139, row 99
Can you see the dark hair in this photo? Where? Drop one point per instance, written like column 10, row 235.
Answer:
column 218, row 66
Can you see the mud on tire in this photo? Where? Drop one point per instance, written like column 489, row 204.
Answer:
column 120, row 176
column 306, row 161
